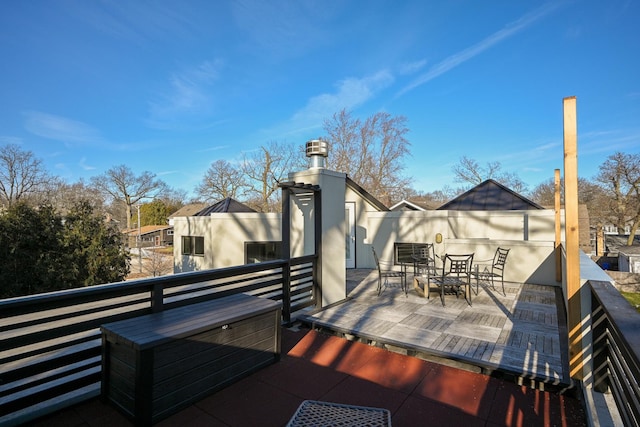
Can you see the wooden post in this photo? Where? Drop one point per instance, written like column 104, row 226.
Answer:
column 558, row 226
column 574, row 315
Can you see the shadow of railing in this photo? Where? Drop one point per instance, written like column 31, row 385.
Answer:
column 50, row 350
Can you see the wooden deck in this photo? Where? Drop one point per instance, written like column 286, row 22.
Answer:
column 521, row 334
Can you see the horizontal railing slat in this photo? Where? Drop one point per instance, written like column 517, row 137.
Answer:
column 616, row 339
column 51, row 346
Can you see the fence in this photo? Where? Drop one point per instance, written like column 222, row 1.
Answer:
column 616, row 343
column 50, row 351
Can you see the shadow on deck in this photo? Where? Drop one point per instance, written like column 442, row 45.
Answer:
column 416, row 392
column 521, row 334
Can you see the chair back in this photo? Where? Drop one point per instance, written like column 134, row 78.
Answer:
column 426, row 260
column 375, row 257
column 500, row 259
column 457, row 265
column 427, row 253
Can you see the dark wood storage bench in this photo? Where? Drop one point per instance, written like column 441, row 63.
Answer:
column 158, row 364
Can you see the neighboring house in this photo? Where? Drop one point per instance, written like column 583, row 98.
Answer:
column 615, row 243
column 489, row 195
column 149, row 235
column 212, row 228
column 187, row 210
column 629, row 259
column 408, row 205
column 353, row 222
column 230, row 233
column 224, row 206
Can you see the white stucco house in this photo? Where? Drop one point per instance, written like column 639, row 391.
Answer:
column 353, row 221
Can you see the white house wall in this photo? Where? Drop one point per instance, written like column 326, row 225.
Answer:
column 224, row 237
column 363, row 210
column 529, row 234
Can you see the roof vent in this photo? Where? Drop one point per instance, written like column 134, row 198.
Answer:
column 317, row 151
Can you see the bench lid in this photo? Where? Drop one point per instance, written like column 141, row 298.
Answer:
column 154, row 329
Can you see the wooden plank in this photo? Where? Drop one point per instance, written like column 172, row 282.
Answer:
column 558, row 225
column 576, row 328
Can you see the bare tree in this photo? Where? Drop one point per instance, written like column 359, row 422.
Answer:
column 620, row 174
column 264, row 169
column 371, row 152
column 21, row 174
column 589, row 193
column 156, row 262
column 63, row 196
column 221, row 180
column 593, row 195
column 468, row 171
column 121, row 185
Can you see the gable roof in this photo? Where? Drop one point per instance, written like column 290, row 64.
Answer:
column 413, row 205
column 489, row 195
column 406, row 205
column 146, row 229
column 365, row 195
column 189, row 210
column 224, row 206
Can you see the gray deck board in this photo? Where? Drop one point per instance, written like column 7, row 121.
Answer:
column 518, row 332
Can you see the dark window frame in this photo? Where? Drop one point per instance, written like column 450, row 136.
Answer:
column 264, row 255
column 402, row 252
column 193, row 245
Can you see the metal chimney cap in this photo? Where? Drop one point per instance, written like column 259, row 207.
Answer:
column 317, row 147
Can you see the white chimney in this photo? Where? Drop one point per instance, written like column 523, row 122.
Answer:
column 317, row 151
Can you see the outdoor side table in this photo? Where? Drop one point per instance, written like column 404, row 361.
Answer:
column 313, row 413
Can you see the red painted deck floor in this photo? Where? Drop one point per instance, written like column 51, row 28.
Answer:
column 321, row 367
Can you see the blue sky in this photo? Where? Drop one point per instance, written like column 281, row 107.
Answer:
column 169, row 87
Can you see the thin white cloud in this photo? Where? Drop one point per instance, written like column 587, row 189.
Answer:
column 350, row 93
column 216, row 148
column 282, row 27
column 60, row 128
column 138, row 22
column 412, row 67
column 188, row 96
column 85, row 166
column 459, row 58
column 598, row 142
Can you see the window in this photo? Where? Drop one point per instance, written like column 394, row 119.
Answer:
column 193, row 245
column 262, row 251
column 403, row 252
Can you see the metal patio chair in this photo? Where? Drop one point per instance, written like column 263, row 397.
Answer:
column 456, row 275
column 384, row 274
column 424, row 268
column 490, row 272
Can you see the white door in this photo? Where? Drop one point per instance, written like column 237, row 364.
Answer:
column 350, row 234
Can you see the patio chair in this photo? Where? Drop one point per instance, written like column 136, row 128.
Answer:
column 490, row 272
column 424, row 268
column 423, row 256
column 384, row 274
column 456, row 275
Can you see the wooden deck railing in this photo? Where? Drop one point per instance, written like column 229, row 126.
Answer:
column 50, row 345
column 616, row 344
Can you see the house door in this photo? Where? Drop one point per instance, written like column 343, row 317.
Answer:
column 350, row 234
